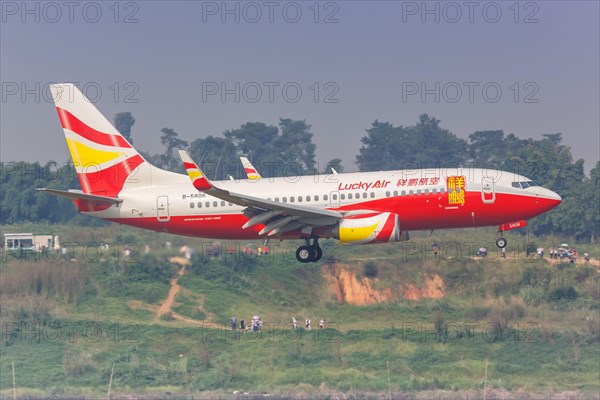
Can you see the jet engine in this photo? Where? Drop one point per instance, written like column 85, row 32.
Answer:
column 369, row 228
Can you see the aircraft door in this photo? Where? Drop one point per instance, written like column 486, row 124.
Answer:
column 488, row 194
column 162, row 209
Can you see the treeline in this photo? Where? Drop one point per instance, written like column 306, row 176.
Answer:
column 288, row 149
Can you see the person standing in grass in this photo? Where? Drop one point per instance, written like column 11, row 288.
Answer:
column 233, row 324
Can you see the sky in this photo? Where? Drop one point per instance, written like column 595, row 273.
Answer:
column 203, row 67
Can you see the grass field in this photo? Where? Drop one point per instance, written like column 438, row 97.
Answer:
column 66, row 323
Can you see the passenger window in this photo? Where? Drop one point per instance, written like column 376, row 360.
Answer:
column 395, row 193
column 343, row 196
column 215, row 203
column 404, row 193
column 292, row 199
column 324, row 197
column 349, row 196
column 222, row 203
column 199, row 204
column 372, row 195
column 299, row 199
column 364, row 195
column 410, row 192
column 207, row 204
column 334, row 197
column 442, row 190
column 418, row 192
column 277, row 199
column 387, row 194
column 307, row 198
column 229, row 204
column 317, row 198
column 434, row 191
column 426, row 191
column 191, row 205
column 285, row 199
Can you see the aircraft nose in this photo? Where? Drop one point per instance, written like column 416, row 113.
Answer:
column 548, row 199
column 555, row 196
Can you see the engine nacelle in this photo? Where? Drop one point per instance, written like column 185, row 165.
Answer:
column 369, row 228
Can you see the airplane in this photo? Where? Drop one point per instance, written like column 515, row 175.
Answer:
column 119, row 185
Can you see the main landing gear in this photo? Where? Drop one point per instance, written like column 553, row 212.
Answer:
column 309, row 253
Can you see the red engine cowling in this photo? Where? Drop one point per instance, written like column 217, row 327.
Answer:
column 369, row 228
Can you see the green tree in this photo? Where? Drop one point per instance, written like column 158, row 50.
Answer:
column 423, row 145
column 550, row 164
column 124, row 121
column 335, row 163
column 170, row 159
column 492, row 147
column 275, row 152
column 579, row 213
column 295, row 143
column 217, row 157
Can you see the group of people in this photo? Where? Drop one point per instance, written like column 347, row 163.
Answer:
column 563, row 253
column 307, row 323
column 255, row 325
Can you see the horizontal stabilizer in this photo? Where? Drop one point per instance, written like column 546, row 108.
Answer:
column 79, row 195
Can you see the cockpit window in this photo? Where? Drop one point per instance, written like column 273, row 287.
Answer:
column 524, row 185
column 529, row 184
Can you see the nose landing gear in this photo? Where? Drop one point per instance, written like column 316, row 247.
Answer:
column 309, row 252
column 501, row 242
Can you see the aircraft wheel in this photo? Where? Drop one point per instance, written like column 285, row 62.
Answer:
column 305, row 254
column 501, row 243
column 318, row 253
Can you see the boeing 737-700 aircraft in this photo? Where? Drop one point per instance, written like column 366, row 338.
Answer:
column 355, row 208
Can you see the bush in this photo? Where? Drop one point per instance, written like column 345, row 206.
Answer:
column 149, row 269
column 226, row 271
column 370, row 269
column 533, row 295
column 564, row 293
column 167, row 317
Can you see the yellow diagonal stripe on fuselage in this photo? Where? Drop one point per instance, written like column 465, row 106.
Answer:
column 348, row 235
column 85, row 155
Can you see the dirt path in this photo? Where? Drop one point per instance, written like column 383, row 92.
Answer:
column 166, row 305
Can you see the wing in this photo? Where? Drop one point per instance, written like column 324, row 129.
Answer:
column 277, row 217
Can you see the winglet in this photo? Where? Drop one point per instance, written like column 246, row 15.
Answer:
column 198, row 179
column 249, row 169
